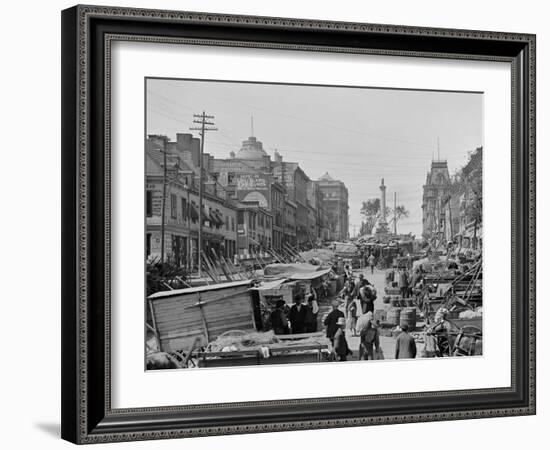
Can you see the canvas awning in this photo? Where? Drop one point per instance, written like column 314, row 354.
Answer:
column 297, row 271
column 216, row 217
column 321, row 254
column 344, row 247
column 309, row 275
column 267, row 285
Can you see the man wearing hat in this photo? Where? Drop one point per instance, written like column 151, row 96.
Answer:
column 442, row 328
column 297, row 315
column 405, row 347
column 360, row 283
column 340, row 344
column 331, row 321
column 279, row 322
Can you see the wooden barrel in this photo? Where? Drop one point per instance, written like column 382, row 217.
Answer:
column 408, row 317
column 393, row 316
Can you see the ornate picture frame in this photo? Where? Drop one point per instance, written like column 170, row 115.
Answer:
column 87, row 35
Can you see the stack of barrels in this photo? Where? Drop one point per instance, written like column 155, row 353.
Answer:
column 394, row 316
column 408, row 318
column 402, row 316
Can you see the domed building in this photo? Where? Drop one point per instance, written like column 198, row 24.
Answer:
column 252, row 151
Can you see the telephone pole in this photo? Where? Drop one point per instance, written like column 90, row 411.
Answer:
column 203, row 120
column 163, row 206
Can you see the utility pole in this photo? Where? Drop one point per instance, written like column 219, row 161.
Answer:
column 163, row 207
column 201, row 119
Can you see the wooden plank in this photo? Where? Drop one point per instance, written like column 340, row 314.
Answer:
column 179, row 332
column 168, row 308
column 155, row 329
column 235, row 308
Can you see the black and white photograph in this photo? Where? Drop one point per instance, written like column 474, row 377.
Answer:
column 294, row 224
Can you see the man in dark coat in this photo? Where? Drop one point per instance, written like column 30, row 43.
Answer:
column 297, row 315
column 331, row 321
column 405, row 347
column 360, row 283
column 403, row 283
column 340, row 345
column 279, row 322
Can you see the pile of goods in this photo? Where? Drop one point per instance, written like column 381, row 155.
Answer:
column 469, row 314
column 233, row 341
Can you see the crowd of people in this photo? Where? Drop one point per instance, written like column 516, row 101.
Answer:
column 352, row 310
column 407, row 281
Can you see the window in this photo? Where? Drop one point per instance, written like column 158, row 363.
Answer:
column 193, row 211
column 227, row 223
column 232, row 224
column 148, row 244
column 173, row 206
column 240, row 218
column 149, row 203
column 184, row 211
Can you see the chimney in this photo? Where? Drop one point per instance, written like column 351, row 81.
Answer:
column 158, row 139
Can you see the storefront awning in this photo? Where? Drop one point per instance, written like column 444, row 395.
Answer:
column 216, row 217
column 205, row 215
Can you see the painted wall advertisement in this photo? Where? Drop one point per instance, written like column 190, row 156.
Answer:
column 253, row 188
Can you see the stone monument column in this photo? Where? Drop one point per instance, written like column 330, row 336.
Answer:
column 383, row 201
column 382, row 227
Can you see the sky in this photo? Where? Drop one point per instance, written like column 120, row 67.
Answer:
column 358, row 135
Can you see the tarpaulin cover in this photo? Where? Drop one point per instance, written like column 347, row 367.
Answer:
column 342, row 247
column 267, row 285
column 321, row 254
column 309, row 275
column 297, row 271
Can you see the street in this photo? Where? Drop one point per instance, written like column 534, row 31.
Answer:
column 387, row 344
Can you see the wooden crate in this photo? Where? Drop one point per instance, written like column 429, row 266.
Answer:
column 199, row 315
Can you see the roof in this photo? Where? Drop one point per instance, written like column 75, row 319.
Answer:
column 154, row 151
column 193, row 290
column 326, row 177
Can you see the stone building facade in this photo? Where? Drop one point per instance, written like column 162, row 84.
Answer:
column 335, row 206
column 436, row 201
column 252, row 202
column 181, row 210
